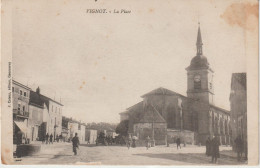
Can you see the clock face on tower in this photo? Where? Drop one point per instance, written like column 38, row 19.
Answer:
column 197, row 78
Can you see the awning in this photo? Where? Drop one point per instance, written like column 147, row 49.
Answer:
column 21, row 125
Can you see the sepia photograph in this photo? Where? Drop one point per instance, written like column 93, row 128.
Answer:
column 95, row 82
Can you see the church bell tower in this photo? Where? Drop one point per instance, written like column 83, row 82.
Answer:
column 200, row 76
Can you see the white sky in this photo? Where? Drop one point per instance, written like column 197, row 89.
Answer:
column 59, row 47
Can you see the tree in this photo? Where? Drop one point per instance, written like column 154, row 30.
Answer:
column 122, row 128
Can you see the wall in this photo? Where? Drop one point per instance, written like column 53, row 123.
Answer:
column 142, row 130
column 35, row 120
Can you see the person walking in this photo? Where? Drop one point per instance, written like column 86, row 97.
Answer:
column 57, row 138
column 43, row 139
column 215, row 149
column 51, row 136
column 239, row 147
column 75, row 143
column 47, row 138
column 129, row 142
column 178, row 142
column 208, row 149
column 60, row 138
column 148, row 142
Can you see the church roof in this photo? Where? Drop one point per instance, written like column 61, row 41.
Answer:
column 151, row 115
column 162, row 91
column 199, row 61
column 220, row 109
column 138, row 107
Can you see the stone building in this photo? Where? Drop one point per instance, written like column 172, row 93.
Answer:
column 195, row 112
column 20, row 97
column 238, row 104
column 46, row 116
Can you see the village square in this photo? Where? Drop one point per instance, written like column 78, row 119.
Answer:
column 165, row 128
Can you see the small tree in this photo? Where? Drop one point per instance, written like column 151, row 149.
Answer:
column 122, row 128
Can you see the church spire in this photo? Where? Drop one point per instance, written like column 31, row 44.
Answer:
column 199, row 42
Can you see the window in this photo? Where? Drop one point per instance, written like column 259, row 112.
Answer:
column 24, row 94
column 19, row 107
column 21, row 92
column 23, row 108
column 197, row 85
column 12, row 89
column 210, row 85
column 56, row 110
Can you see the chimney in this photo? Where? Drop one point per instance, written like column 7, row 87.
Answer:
column 38, row 90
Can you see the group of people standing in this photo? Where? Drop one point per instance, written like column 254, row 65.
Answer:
column 131, row 142
column 212, row 148
column 50, row 138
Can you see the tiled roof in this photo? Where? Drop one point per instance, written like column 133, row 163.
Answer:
column 39, row 99
column 21, row 85
column 36, row 99
column 138, row 106
column 151, row 115
column 162, row 91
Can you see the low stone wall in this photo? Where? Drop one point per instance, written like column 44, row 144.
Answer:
column 185, row 136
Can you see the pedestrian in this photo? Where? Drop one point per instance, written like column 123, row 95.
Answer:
column 60, row 138
column 148, row 142
column 239, row 147
column 178, row 142
column 51, row 136
column 43, row 139
column 208, row 150
column 129, row 142
column 88, row 141
column 47, row 138
column 215, row 149
column 57, row 138
column 133, row 143
column 75, row 143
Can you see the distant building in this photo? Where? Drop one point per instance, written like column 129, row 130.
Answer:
column 91, row 135
column 170, row 110
column 20, row 96
column 238, row 103
column 82, row 131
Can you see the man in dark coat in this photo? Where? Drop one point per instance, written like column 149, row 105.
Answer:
column 75, row 143
column 51, row 136
column 215, row 149
column 208, row 150
column 47, row 138
column 178, row 142
column 239, row 147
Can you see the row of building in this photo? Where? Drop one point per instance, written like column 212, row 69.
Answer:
column 35, row 115
column 164, row 114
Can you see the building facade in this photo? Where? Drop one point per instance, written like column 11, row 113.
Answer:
column 238, row 104
column 195, row 112
column 20, row 97
column 45, row 116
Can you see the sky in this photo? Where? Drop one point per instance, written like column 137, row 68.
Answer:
column 98, row 65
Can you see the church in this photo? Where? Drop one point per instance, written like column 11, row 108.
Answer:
column 165, row 115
